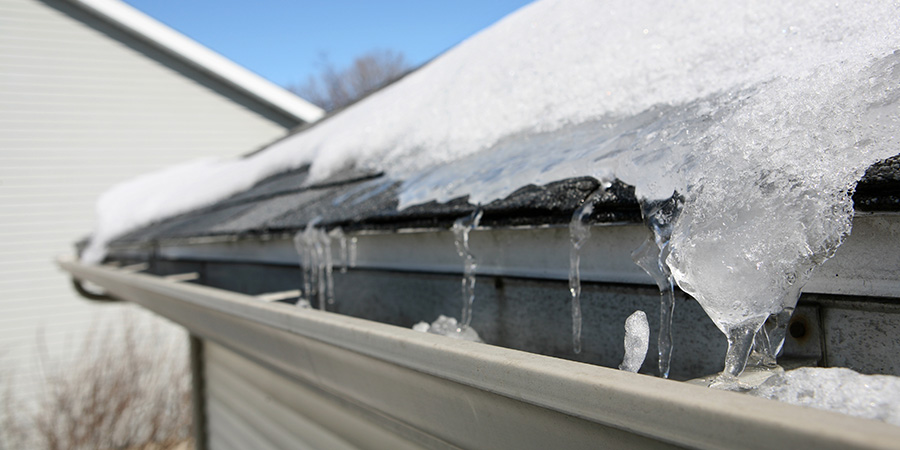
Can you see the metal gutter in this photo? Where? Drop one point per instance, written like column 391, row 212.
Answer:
column 467, row 394
column 200, row 56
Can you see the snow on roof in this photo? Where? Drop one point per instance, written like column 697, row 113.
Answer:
column 659, row 95
column 195, row 54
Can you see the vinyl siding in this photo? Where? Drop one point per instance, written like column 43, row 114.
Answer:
column 84, row 105
column 250, row 406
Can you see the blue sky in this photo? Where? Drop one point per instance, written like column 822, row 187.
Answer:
column 282, row 40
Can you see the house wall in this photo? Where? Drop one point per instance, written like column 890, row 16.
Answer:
column 84, row 105
column 249, row 406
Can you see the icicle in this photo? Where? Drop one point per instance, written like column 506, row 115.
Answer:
column 338, row 233
column 303, row 253
column 329, row 267
column 637, row 339
column 314, row 247
column 579, row 232
column 319, row 248
column 651, row 256
column 461, row 229
column 351, row 252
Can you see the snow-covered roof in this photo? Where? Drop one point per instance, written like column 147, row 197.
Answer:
column 776, row 108
column 197, row 55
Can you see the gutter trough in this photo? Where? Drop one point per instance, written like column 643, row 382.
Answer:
column 424, row 390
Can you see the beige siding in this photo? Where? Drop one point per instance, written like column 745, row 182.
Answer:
column 83, row 106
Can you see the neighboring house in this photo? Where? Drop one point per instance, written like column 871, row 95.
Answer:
column 92, row 93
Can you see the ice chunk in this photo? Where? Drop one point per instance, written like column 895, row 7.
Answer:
column 837, row 389
column 447, row 326
column 637, row 339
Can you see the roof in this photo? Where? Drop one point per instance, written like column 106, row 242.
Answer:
column 180, row 46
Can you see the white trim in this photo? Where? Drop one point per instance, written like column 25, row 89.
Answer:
column 180, row 45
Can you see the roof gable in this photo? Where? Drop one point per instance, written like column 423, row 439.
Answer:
column 189, row 51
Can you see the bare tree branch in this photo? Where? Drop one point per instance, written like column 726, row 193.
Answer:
column 335, row 88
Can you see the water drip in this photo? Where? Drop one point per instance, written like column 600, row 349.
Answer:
column 651, row 256
column 579, row 232
column 461, row 229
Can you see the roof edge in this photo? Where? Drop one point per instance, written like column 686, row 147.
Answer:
column 194, row 53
